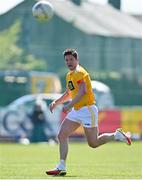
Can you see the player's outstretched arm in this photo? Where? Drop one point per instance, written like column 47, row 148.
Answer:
column 65, row 97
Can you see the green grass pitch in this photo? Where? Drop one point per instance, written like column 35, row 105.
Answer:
column 111, row 161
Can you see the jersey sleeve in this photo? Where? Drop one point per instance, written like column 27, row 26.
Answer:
column 81, row 77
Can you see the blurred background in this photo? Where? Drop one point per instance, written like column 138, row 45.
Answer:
column 108, row 37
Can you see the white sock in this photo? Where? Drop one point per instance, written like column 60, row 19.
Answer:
column 62, row 161
column 115, row 136
column 118, row 136
column 61, row 165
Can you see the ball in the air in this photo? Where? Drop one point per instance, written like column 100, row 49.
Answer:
column 43, row 11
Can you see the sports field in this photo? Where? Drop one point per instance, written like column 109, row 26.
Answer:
column 111, row 161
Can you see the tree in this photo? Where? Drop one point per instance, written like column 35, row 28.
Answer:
column 14, row 57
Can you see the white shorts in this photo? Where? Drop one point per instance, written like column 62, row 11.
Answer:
column 87, row 116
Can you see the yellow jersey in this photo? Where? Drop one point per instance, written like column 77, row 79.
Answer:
column 73, row 79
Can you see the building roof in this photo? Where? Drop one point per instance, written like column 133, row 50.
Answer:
column 7, row 5
column 91, row 18
column 97, row 19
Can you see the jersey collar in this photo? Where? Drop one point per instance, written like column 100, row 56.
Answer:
column 76, row 69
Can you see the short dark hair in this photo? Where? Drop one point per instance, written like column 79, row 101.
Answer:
column 70, row 52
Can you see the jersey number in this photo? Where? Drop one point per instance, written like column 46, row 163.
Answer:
column 70, row 85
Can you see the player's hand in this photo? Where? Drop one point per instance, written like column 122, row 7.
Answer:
column 52, row 106
column 67, row 108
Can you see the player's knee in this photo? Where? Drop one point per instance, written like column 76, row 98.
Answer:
column 92, row 144
column 61, row 136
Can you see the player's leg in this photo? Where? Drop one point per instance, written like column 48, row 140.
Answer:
column 94, row 140
column 66, row 129
column 90, row 123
